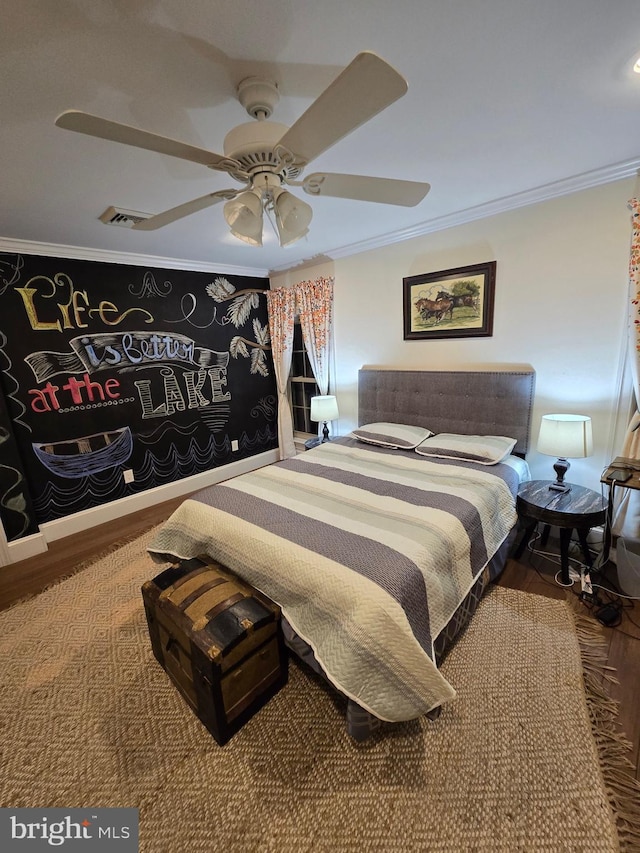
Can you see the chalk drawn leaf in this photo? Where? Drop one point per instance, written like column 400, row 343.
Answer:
column 220, row 289
column 240, row 308
column 238, row 347
column 258, row 362
column 261, row 332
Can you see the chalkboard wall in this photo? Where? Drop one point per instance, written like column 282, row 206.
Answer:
column 110, row 372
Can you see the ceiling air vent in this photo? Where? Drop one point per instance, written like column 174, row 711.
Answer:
column 123, row 218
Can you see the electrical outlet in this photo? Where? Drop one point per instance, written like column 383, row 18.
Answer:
column 128, row 475
column 234, row 444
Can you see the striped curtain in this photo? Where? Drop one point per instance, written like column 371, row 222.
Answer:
column 281, row 310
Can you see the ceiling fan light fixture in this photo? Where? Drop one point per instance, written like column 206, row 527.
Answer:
column 253, row 239
column 293, row 217
column 244, row 217
column 288, row 238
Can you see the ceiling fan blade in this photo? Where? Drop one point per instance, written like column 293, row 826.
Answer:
column 365, row 87
column 182, row 210
column 115, row 132
column 363, row 188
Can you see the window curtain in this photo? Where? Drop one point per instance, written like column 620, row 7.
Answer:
column 281, row 310
column 314, row 301
column 626, row 511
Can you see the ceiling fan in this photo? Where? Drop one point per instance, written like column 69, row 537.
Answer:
column 264, row 156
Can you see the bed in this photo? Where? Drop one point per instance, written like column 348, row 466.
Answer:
column 377, row 550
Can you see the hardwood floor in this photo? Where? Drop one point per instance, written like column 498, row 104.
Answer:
column 68, row 555
column 532, row 573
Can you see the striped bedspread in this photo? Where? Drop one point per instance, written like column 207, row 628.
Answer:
column 368, row 551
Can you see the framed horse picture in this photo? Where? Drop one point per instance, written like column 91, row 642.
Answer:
column 456, row 303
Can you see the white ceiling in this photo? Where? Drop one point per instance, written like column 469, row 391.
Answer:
column 509, row 102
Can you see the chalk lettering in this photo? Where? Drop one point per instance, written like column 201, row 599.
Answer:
column 78, row 310
column 172, row 398
column 27, row 294
column 45, row 399
column 193, row 383
column 109, row 356
column 49, row 398
column 135, row 348
column 105, row 307
column 72, row 311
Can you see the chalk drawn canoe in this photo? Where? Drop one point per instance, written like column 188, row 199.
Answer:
column 81, row 457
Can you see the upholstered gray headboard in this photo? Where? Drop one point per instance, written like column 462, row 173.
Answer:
column 496, row 400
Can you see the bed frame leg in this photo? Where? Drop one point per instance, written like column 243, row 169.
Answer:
column 360, row 723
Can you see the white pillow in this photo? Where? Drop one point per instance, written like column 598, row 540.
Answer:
column 483, row 449
column 400, row 436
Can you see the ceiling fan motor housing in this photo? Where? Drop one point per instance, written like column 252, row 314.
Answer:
column 252, row 144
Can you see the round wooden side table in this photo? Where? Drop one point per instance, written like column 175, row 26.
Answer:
column 579, row 509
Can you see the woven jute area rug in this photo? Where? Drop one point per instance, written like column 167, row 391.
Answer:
column 525, row 759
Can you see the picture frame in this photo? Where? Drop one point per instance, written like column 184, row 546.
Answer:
column 454, row 303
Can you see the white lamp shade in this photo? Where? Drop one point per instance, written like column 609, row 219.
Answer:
column 244, row 217
column 565, row 436
column 293, row 217
column 324, row 408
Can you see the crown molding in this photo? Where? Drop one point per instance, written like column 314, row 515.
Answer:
column 577, row 183
column 30, row 247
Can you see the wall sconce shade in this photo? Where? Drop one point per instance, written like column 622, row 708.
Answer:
column 324, row 408
column 565, row 436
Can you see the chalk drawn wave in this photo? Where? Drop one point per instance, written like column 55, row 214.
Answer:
column 155, row 436
column 56, row 500
column 11, row 395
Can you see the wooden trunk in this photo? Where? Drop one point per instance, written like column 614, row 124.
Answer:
column 219, row 641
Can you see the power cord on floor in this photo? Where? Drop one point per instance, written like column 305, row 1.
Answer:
column 553, row 557
column 608, row 613
column 617, row 599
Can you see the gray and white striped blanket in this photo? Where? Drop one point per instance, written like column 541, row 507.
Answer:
column 368, row 551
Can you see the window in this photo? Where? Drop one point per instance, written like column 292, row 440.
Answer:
column 302, row 386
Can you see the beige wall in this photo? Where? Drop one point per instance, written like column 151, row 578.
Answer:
column 560, row 305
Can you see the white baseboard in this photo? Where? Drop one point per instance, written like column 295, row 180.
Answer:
column 29, row 546
column 22, row 549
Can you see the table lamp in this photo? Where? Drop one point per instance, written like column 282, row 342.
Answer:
column 324, row 408
column 565, row 436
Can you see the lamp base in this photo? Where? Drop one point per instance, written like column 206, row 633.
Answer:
column 560, row 487
column 325, row 432
column 561, row 466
